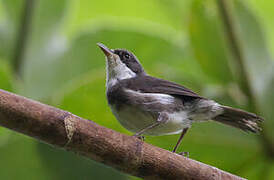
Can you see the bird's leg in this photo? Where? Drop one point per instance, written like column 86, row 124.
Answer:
column 162, row 118
column 179, row 141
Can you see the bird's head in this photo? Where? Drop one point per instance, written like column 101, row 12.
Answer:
column 121, row 64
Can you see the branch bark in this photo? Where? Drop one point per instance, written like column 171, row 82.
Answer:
column 128, row 154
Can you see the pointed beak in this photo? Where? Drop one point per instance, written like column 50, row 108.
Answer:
column 105, row 50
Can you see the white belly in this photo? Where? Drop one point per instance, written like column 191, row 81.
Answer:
column 135, row 120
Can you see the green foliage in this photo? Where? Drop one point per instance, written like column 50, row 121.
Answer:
column 264, row 13
column 211, row 53
column 6, row 76
column 182, row 41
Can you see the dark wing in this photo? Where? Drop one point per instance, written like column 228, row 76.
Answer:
column 148, row 84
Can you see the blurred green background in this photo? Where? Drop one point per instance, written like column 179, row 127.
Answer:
column 48, row 52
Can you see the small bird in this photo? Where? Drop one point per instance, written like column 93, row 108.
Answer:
column 151, row 106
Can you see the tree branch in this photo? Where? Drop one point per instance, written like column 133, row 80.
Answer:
column 128, row 154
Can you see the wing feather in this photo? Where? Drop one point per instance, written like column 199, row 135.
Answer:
column 149, row 84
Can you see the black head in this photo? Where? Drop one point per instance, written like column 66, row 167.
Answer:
column 129, row 60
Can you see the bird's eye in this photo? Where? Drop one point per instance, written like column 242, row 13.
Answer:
column 126, row 56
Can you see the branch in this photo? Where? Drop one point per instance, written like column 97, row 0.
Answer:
column 128, row 154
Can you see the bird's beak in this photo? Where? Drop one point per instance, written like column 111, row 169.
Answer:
column 105, row 50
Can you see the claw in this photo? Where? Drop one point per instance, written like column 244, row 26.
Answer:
column 185, row 154
column 142, row 138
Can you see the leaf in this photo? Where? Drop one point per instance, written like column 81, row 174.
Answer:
column 264, row 13
column 72, row 166
column 10, row 17
column 13, row 10
column 45, row 160
column 208, row 42
column 257, row 63
column 260, row 169
column 86, row 12
column 27, row 157
column 267, row 104
column 6, row 79
column 254, row 48
column 45, row 45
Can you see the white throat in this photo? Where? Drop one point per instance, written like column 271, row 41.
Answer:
column 116, row 70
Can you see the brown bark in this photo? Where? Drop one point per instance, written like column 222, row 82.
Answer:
column 128, row 154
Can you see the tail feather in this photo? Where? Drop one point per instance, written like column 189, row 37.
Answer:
column 240, row 119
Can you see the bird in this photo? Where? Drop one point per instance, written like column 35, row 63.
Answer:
column 146, row 105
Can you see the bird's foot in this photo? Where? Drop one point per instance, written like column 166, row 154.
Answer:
column 142, row 138
column 185, row 154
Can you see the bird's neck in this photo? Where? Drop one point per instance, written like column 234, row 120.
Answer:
column 117, row 73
